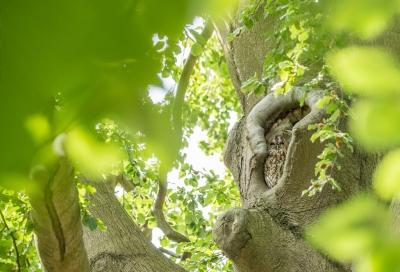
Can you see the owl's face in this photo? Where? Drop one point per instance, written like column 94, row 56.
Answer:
column 276, row 144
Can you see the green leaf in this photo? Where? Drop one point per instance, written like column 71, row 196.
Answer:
column 141, row 219
column 303, row 36
column 159, row 45
column 249, row 23
column 151, row 175
column 312, row 126
column 375, row 123
column 90, row 189
column 350, row 230
column 165, row 73
column 323, row 101
column 164, row 242
column 175, row 48
column 367, row 18
column 387, row 176
column 331, row 108
column 199, row 38
column 259, row 90
column 250, row 84
column 335, row 115
column 233, row 35
column 185, row 167
column 90, row 222
column 197, row 49
column 363, row 69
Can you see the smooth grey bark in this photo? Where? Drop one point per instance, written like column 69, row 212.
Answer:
column 266, row 234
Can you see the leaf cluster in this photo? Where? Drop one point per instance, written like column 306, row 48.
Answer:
column 17, row 248
column 363, row 230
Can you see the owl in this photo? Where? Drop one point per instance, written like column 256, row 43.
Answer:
column 275, row 161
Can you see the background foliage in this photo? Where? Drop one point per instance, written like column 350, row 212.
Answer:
column 75, row 66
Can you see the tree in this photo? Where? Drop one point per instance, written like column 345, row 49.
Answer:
column 268, row 232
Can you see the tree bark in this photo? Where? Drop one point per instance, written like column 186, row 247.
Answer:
column 123, row 247
column 56, row 219
column 266, row 234
column 63, row 245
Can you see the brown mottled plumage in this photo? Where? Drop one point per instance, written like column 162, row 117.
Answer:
column 275, row 161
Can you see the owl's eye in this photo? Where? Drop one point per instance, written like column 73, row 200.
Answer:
column 272, row 143
column 281, row 143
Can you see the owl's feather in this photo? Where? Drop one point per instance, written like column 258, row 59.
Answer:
column 275, row 161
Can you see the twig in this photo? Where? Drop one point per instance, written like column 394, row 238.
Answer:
column 166, row 251
column 13, row 239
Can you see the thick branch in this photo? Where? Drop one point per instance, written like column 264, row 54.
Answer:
column 56, row 219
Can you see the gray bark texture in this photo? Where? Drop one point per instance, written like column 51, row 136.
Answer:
column 64, row 244
column 56, row 219
column 123, row 247
column 267, row 233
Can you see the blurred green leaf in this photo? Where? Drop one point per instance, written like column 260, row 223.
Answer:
column 198, row 37
column 303, row 36
column 367, row 18
column 141, row 219
column 365, row 70
column 39, row 127
column 197, row 49
column 323, row 101
column 375, row 124
column 94, row 156
column 387, row 176
column 349, row 230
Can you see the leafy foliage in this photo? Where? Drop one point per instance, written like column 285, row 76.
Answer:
column 193, row 207
column 95, row 54
column 328, row 130
column 302, row 43
column 363, row 229
column 17, row 248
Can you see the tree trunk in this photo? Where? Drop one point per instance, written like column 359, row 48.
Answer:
column 266, row 234
column 63, row 246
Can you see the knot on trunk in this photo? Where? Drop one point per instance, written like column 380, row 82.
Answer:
column 230, row 231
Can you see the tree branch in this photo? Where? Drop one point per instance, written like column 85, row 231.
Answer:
column 177, row 124
column 184, row 81
column 166, row 251
column 162, row 223
column 56, row 218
